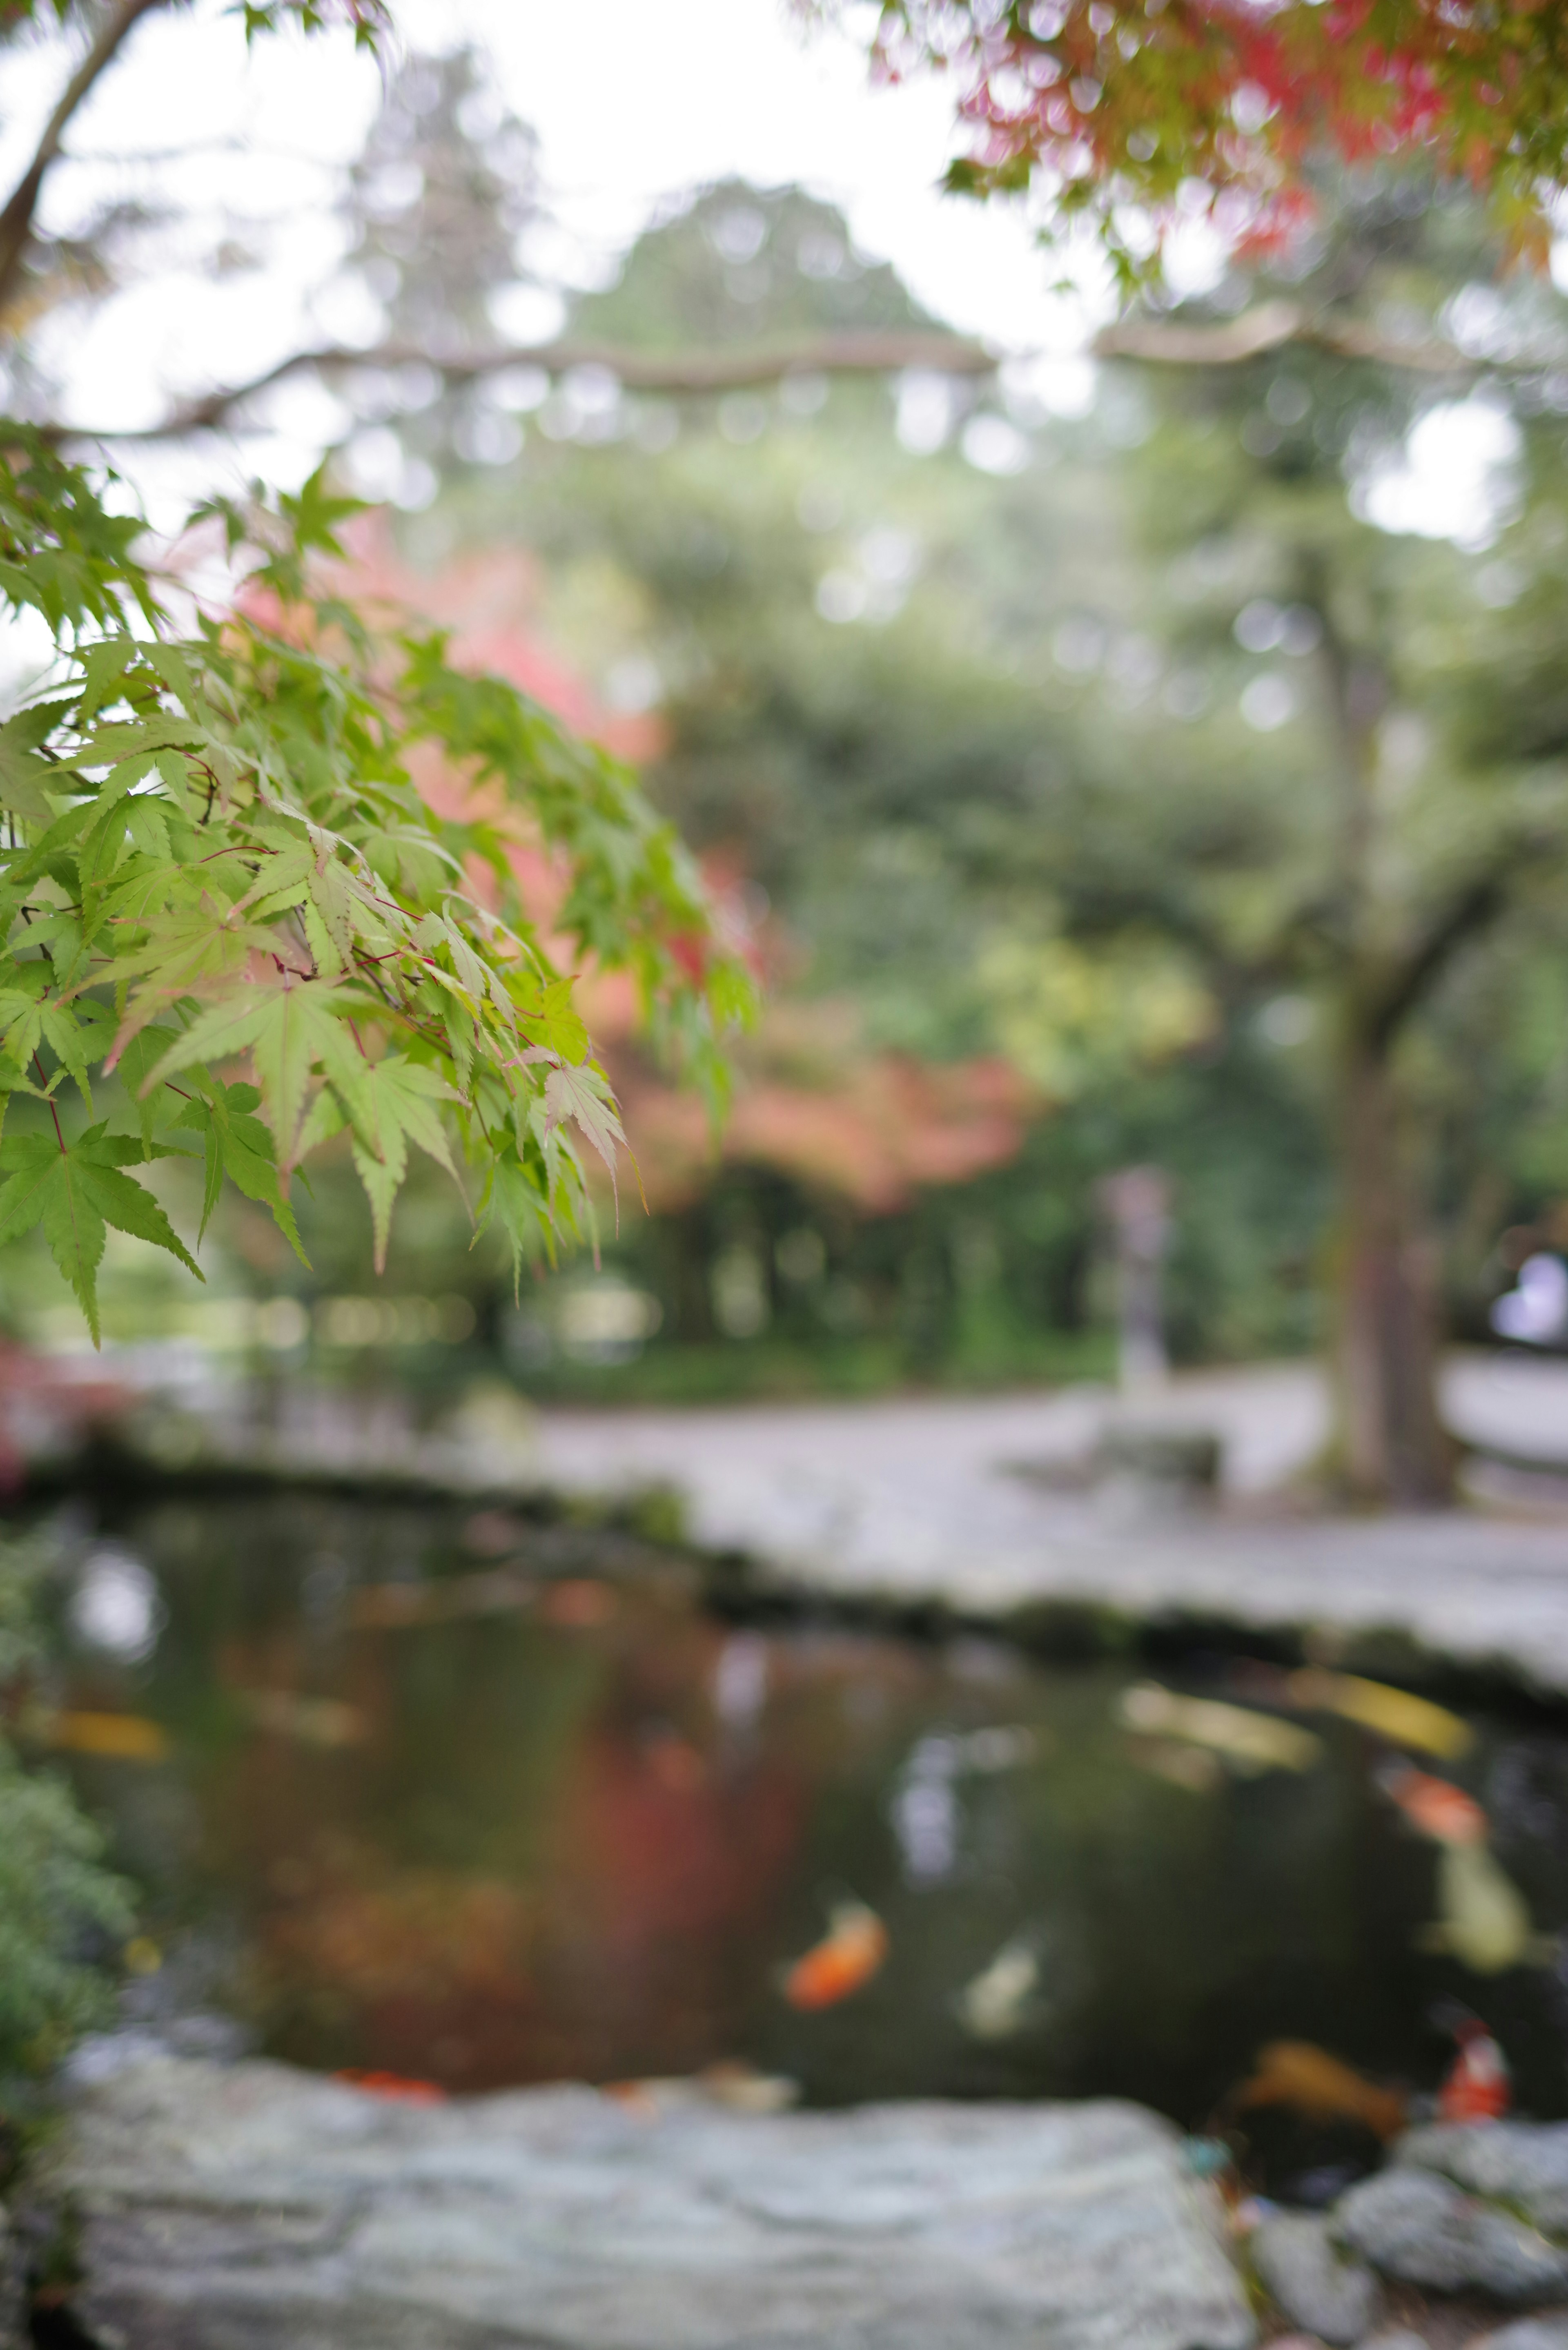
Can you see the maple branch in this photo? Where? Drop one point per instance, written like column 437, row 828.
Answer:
column 17, row 220
column 691, row 372
column 1269, row 327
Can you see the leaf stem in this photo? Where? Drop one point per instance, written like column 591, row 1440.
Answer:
column 54, row 1113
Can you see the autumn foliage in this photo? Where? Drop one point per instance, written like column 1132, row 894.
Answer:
column 812, row 1098
column 1122, row 108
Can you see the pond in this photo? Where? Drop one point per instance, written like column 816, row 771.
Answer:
column 459, row 1798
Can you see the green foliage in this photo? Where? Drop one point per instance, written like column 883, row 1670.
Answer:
column 215, row 853
column 367, row 18
column 56, row 1898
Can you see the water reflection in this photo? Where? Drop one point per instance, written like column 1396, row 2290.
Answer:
column 458, row 1806
column 115, row 1604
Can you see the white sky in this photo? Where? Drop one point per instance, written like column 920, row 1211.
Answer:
column 631, row 101
column 671, row 96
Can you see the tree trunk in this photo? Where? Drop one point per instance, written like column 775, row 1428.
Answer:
column 1391, row 1443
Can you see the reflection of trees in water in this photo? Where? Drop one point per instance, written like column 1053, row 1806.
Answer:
column 542, row 1863
column 573, row 1840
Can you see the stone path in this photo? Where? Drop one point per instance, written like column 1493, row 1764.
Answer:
column 256, row 2207
column 912, row 1499
column 252, row 2207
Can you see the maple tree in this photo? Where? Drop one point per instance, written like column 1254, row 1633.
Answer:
column 222, row 884
column 1121, row 110
column 214, row 847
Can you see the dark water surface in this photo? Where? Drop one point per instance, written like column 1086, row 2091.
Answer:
column 447, row 1802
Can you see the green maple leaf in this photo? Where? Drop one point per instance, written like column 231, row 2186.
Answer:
column 558, row 1022
column 25, row 776
column 287, row 1029
column 74, row 1189
column 238, row 1145
column 584, row 1095
column 392, row 1103
column 513, row 1201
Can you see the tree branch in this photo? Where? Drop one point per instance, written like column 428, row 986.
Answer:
column 1269, row 328
column 1470, row 910
column 692, row 372
column 17, row 220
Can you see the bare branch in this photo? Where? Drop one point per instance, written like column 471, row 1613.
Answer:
column 1269, row 328
column 691, row 372
column 1478, row 903
column 17, row 220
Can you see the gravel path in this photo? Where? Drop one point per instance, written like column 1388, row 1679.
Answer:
column 918, row 1499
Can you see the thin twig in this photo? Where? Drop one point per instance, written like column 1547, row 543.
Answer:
column 17, row 220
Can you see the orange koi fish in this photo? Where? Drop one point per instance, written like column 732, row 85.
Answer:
column 1308, row 2080
column 1434, row 1807
column 1476, row 2087
column 847, row 1956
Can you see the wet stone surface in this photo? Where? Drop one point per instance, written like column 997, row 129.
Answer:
column 241, row 2208
column 1521, row 2164
column 1423, row 2229
column 1304, row 2272
column 1550, row 2332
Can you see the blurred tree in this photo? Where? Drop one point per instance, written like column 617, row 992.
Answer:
column 1122, row 113
column 444, row 198
column 1175, row 736
column 844, row 636
column 223, row 836
column 1409, row 801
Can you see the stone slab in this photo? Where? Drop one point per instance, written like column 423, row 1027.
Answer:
column 1521, row 2164
column 254, row 2206
column 1304, row 2271
column 1413, row 2225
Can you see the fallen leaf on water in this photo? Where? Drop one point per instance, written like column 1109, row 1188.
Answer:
column 1483, row 1918
column 993, row 2005
column 1251, row 1742
column 124, row 1737
column 1393, row 1713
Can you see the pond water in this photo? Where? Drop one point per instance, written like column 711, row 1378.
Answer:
column 460, row 1799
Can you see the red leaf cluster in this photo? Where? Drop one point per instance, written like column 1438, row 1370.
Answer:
column 814, row 1104
column 1132, row 101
